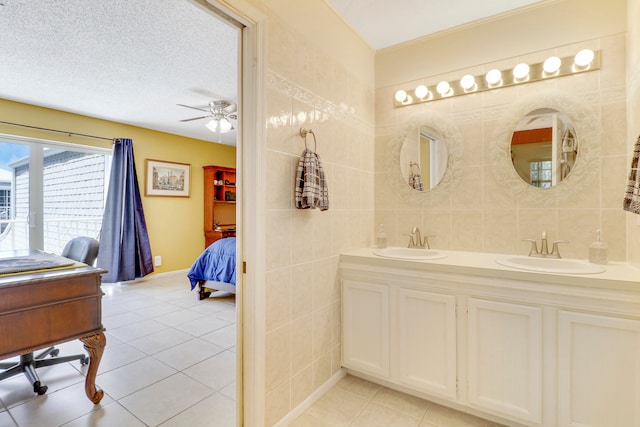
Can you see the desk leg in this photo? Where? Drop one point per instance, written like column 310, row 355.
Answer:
column 94, row 344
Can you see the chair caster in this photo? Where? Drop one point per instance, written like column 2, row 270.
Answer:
column 84, row 361
column 55, row 352
column 39, row 388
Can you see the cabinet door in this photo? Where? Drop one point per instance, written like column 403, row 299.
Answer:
column 505, row 359
column 599, row 370
column 427, row 341
column 365, row 322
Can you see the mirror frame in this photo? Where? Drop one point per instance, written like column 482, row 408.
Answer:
column 450, row 136
column 587, row 128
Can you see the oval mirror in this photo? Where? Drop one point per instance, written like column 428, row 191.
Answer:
column 544, row 147
column 423, row 158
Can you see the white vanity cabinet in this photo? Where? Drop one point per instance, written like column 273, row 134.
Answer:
column 504, row 358
column 599, row 370
column 522, row 349
column 424, row 341
column 365, row 327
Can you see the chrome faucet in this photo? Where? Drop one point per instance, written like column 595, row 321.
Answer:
column 544, row 247
column 415, row 239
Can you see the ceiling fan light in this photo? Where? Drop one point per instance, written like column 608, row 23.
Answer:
column 212, row 125
column 225, row 125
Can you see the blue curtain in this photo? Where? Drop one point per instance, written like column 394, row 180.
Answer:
column 124, row 242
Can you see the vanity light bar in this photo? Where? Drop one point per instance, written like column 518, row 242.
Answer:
column 553, row 67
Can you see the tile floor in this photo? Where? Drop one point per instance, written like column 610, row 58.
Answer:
column 169, row 361
column 354, row 402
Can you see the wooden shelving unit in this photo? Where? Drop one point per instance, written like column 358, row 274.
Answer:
column 219, row 203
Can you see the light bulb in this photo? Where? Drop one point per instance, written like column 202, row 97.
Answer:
column 212, row 125
column 552, row 64
column 401, row 96
column 443, row 88
column 467, row 81
column 584, row 57
column 493, row 76
column 421, row 91
column 521, row 71
column 225, row 125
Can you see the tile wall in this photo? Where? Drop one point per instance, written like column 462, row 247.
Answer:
column 308, row 87
column 479, row 215
column 633, row 114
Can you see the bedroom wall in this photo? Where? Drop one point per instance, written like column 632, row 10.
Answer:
column 175, row 224
column 319, row 76
column 478, row 215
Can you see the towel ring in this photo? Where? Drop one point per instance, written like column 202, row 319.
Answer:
column 303, row 133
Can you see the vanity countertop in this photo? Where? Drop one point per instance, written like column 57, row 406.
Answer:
column 617, row 275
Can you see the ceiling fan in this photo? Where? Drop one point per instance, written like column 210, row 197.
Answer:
column 220, row 112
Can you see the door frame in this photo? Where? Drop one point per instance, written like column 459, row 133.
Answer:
column 251, row 173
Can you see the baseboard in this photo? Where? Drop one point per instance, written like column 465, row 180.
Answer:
column 313, row 398
column 151, row 276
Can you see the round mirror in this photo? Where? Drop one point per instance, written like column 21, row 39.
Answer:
column 544, row 147
column 423, row 158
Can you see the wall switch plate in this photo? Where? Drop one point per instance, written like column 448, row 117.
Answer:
column 157, row 261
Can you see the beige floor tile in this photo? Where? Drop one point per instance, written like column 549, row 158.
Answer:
column 214, row 411
column 155, row 343
column 229, row 390
column 164, row 399
column 6, row 420
column 407, row 404
column 188, row 353
column 179, row 317
column 135, row 376
column 109, row 415
column 306, row 420
column 54, row 409
column 204, row 326
column 18, row 390
column 338, row 406
column 379, row 416
column 118, row 355
column 136, row 330
column 362, row 388
column 224, row 337
column 441, row 416
column 215, row 372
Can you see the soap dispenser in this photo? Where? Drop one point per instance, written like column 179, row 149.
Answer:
column 381, row 239
column 598, row 251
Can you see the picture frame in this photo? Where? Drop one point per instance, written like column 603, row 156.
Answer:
column 168, row 179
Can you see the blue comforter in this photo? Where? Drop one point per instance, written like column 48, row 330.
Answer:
column 217, row 263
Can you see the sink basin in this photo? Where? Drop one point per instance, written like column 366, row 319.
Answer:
column 551, row 265
column 408, row 253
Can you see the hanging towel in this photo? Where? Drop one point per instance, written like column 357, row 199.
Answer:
column 311, row 184
column 632, row 198
column 415, row 181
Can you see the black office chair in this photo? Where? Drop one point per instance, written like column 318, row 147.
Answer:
column 82, row 249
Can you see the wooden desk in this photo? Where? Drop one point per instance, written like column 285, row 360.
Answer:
column 42, row 309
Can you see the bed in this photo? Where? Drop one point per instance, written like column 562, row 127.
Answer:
column 215, row 268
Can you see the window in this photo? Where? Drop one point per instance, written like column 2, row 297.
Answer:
column 540, row 173
column 55, row 192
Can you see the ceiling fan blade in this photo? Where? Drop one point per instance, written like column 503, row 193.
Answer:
column 195, row 108
column 194, row 118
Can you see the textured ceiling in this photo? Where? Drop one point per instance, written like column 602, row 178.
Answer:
column 132, row 61
column 129, row 61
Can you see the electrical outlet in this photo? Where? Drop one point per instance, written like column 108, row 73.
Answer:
column 157, row 261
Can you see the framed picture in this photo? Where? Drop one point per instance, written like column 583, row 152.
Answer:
column 167, row 179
